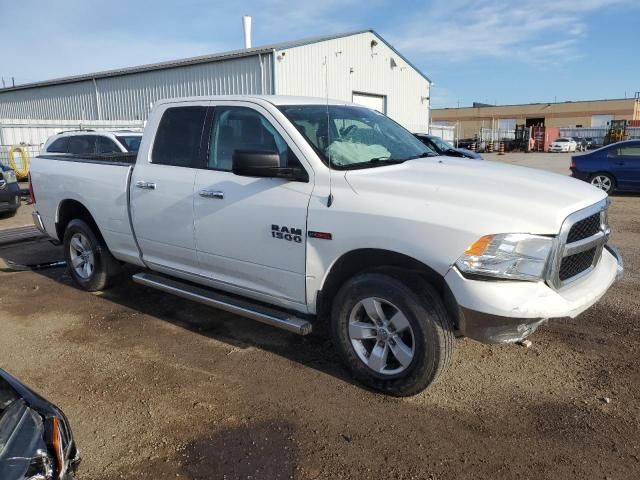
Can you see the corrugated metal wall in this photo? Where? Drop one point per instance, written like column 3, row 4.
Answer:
column 355, row 66
column 129, row 97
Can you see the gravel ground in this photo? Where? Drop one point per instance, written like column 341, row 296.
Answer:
column 157, row 387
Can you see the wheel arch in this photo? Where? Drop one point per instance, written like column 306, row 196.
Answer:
column 70, row 209
column 372, row 259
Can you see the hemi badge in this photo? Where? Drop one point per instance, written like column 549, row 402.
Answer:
column 320, row 235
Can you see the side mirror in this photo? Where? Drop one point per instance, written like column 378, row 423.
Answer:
column 265, row 164
column 255, row 163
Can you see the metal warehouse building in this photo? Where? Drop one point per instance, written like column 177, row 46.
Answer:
column 590, row 114
column 358, row 66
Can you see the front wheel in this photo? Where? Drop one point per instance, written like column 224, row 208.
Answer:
column 603, row 181
column 392, row 337
column 90, row 263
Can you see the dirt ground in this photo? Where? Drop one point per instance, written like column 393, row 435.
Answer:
column 157, row 387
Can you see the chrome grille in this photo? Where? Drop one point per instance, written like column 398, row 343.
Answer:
column 576, row 264
column 582, row 237
column 585, row 228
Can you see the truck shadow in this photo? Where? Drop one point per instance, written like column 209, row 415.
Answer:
column 264, row 449
column 315, row 351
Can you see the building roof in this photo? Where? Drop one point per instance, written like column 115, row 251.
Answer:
column 477, row 105
column 216, row 57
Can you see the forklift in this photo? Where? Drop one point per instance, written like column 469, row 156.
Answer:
column 617, row 132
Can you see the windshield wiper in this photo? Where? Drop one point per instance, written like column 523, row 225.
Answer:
column 423, row 155
column 374, row 162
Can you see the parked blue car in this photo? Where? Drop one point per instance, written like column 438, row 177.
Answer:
column 442, row 147
column 612, row 167
column 9, row 192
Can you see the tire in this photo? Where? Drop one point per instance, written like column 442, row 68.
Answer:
column 89, row 261
column 423, row 328
column 10, row 214
column 604, row 182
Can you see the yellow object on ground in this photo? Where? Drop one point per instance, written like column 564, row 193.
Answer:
column 23, row 171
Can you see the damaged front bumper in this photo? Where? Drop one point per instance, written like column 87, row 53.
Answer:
column 510, row 311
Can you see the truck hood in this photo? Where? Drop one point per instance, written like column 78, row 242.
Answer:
column 483, row 197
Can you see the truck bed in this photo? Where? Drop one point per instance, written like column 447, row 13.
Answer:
column 100, row 183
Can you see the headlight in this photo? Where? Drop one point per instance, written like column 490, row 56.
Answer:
column 515, row 256
column 10, row 176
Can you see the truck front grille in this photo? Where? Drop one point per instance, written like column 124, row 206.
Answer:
column 585, row 228
column 582, row 237
column 576, row 264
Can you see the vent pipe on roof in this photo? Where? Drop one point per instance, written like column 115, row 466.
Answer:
column 246, row 25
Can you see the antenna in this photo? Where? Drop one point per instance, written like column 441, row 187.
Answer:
column 326, row 94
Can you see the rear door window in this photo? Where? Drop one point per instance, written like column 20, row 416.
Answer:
column 82, row 145
column 178, row 137
column 130, row 142
column 61, row 145
column 629, row 151
column 106, row 145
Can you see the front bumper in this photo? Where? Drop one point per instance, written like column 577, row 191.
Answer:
column 497, row 311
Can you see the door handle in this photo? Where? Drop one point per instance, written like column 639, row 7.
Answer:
column 619, row 163
column 146, row 185
column 212, row 194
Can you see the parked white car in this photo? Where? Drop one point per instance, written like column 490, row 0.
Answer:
column 90, row 142
column 563, row 145
column 295, row 211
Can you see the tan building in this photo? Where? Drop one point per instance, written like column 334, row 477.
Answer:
column 587, row 114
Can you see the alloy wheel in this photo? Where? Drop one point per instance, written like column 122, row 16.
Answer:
column 82, row 256
column 602, row 182
column 381, row 336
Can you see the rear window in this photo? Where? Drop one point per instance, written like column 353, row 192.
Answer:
column 177, row 141
column 61, row 145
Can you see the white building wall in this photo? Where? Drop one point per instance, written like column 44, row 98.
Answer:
column 129, row 96
column 352, row 65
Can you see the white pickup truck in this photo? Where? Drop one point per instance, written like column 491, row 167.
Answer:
column 293, row 211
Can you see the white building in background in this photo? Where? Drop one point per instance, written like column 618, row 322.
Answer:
column 360, row 67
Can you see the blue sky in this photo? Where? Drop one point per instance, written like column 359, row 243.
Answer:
column 494, row 51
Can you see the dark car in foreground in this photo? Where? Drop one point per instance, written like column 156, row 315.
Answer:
column 613, row 167
column 442, row 147
column 35, row 437
column 9, row 191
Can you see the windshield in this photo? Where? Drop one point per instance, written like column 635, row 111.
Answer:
column 441, row 144
column 130, row 142
column 561, row 140
column 348, row 137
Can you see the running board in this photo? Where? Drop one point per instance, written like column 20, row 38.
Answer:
column 244, row 308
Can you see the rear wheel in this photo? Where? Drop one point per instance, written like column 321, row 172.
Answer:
column 90, row 263
column 393, row 338
column 603, row 181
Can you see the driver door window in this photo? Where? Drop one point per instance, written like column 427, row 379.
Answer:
column 243, row 129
